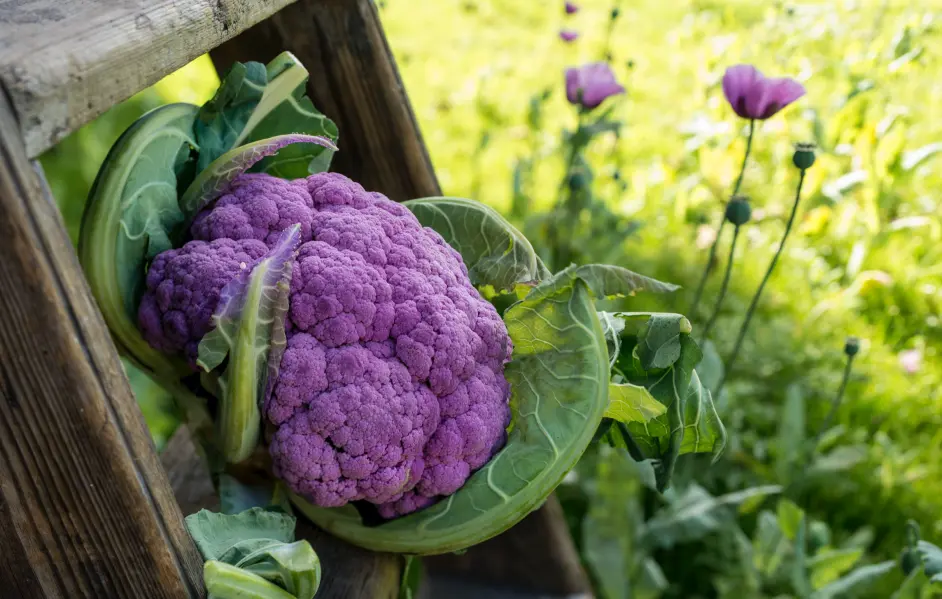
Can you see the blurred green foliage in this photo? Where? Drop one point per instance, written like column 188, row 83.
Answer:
column 485, row 78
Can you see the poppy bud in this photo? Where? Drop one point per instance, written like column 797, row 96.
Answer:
column 804, row 156
column 577, row 181
column 738, row 210
column 909, row 560
column 851, row 346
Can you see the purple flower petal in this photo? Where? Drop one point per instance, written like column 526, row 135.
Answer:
column 737, row 82
column 753, row 96
column 571, row 8
column 783, row 92
column 589, row 85
column 568, row 35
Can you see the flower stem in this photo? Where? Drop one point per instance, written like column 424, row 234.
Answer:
column 559, row 255
column 768, row 273
column 835, row 403
column 723, row 288
column 719, row 230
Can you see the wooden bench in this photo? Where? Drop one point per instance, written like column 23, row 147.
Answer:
column 87, row 509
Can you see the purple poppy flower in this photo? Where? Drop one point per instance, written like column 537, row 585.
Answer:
column 590, row 84
column 754, row 96
column 571, row 8
column 568, row 35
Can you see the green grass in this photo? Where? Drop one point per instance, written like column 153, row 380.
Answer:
column 865, row 257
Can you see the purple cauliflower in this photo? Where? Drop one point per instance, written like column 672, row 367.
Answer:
column 182, row 290
column 391, row 389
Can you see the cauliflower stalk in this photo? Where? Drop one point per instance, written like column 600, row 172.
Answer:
column 353, row 341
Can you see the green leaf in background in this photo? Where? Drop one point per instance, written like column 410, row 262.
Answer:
column 828, row 566
column 215, row 534
column 495, row 252
column 412, row 575
column 770, row 546
column 789, row 518
column 861, row 578
column 131, row 216
column 294, row 567
column 791, row 451
column 912, row 586
column 799, row 574
column 254, row 552
column 215, row 179
column 632, row 403
column 224, row 581
column 255, row 102
column 932, row 560
column 605, row 281
column 612, row 327
column 694, row 513
column 710, row 367
column 612, row 526
column 246, row 329
column 559, row 380
column 703, row 430
column 658, row 354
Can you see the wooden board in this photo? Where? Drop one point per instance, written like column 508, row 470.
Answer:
column 64, row 62
column 355, row 81
column 85, row 507
column 348, row 572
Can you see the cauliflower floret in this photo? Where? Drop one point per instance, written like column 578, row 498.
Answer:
column 257, row 206
column 182, row 290
column 391, row 389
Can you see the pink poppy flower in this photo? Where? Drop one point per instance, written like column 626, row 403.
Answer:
column 568, row 35
column 589, row 85
column 754, row 96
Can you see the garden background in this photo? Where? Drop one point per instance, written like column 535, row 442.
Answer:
column 865, row 259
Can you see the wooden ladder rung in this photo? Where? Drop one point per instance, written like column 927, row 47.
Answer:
column 64, row 62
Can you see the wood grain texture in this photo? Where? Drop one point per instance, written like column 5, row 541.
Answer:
column 64, row 62
column 536, row 555
column 355, row 82
column 85, row 508
column 348, row 572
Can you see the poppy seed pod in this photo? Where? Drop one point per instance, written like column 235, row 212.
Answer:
column 738, row 210
column 804, row 156
column 851, row 346
column 577, row 181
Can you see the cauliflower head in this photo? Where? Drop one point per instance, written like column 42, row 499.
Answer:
column 391, row 389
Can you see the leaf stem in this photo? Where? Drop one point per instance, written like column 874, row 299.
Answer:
column 768, row 273
column 723, row 288
column 634, row 450
column 719, row 229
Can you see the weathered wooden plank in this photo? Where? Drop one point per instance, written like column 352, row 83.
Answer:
column 85, row 508
column 64, row 62
column 536, row 555
column 348, row 572
column 355, row 81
